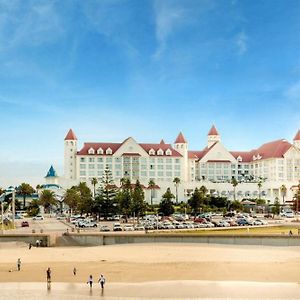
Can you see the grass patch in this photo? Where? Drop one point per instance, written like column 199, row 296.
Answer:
column 277, row 230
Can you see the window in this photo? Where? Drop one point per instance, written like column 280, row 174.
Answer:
column 108, row 151
column 100, row 166
column 91, row 151
column 118, row 166
column 91, row 159
column 160, row 167
column 160, row 173
column 169, row 160
column 169, row 167
column 152, row 173
column 168, row 152
column 151, row 152
column 117, row 159
column 100, row 173
column 177, row 174
column 169, row 174
column 177, row 160
column 91, row 166
column 82, row 159
column 82, row 173
column 100, row 159
column 160, row 160
column 160, row 152
column 108, row 159
column 82, row 166
column 100, row 151
column 177, row 167
column 91, row 173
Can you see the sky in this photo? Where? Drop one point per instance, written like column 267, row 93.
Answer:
column 110, row 69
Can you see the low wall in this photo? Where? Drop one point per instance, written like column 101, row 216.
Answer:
column 84, row 239
column 26, row 238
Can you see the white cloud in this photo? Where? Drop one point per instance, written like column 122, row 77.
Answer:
column 29, row 23
column 241, row 42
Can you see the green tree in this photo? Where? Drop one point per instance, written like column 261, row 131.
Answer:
column 297, row 199
column 276, row 207
column 94, row 182
column 196, row 201
column 166, row 204
column 106, row 200
column 138, row 200
column 33, row 208
column 85, row 203
column 176, row 181
column 234, row 183
column 151, row 186
column 72, row 198
column 236, row 205
column 259, row 185
column 125, row 198
column 283, row 191
column 25, row 190
column 47, row 199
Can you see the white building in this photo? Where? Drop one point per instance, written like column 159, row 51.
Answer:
column 274, row 164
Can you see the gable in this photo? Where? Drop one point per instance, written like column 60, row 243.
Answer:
column 218, row 153
column 293, row 152
column 130, row 146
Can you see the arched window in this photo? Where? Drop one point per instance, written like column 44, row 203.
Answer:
column 151, row 152
column 168, row 152
column 91, row 151
column 160, row 152
column 100, row 151
column 108, row 151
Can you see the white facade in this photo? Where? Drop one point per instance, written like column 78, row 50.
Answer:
column 275, row 164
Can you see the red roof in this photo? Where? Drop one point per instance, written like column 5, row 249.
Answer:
column 70, row 135
column 115, row 146
column 131, row 154
column 164, row 147
column 154, row 187
column 273, row 149
column 297, row 136
column 180, row 139
column 213, row 131
column 245, row 155
column 200, row 154
column 219, row 160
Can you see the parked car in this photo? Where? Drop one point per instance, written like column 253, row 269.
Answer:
column 260, row 222
column 87, row 224
column 128, row 227
column 242, row 222
column 223, row 223
column 139, row 227
column 104, row 228
column 24, row 224
column 117, row 227
column 38, row 217
column 289, row 214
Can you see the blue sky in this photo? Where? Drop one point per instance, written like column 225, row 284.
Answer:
column 110, row 69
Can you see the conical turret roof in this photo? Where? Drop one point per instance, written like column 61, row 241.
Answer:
column 213, row 131
column 51, row 172
column 70, row 135
column 180, row 139
column 297, row 136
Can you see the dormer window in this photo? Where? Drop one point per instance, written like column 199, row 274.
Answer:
column 239, row 158
column 168, row 152
column 100, row 151
column 91, row 151
column 151, row 152
column 108, row 151
column 160, row 152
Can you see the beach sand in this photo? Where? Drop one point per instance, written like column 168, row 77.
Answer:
column 134, row 263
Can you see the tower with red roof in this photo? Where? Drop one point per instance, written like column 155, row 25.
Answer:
column 181, row 145
column 213, row 136
column 297, row 140
column 70, row 155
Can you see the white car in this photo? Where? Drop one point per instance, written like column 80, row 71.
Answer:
column 38, row 218
column 128, row 227
column 289, row 214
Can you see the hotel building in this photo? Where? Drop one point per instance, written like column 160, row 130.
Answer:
column 273, row 164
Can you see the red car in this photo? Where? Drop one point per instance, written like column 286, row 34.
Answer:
column 25, row 224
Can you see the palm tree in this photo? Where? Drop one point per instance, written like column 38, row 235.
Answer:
column 47, row 199
column 259, row 184
column 151, row 186
column 25, row 190
column 283, row 191
column 177, row 182
column 234, row 183
column 94, row 182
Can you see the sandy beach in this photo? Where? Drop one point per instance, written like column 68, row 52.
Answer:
column 151, row 262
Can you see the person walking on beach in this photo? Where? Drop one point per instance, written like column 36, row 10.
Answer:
column 29, row 246
column 102, row 281
column 90, row 281
column 48, row 272
column 19, row 264
column 74, row 271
